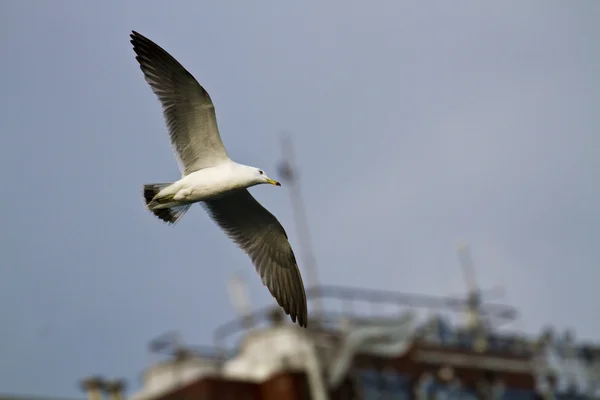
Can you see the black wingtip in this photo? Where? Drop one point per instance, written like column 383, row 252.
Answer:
column 137, row 39
column 303, row 323
column 299, row 317
column 133, row 36
column 299, row 313
column 302, row 316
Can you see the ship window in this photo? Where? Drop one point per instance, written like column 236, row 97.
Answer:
column 518, row 394
column 384, row 385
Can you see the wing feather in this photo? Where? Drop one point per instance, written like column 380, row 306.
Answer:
column 188, row 109
column 256, row 231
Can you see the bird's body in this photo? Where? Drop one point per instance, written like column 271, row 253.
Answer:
column 205, row 184
column 211, row 178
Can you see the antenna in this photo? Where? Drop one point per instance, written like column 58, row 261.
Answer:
column 475, row 311
column 171, row 344
column 466, row 262
column 474, row 296
column 239, row 298
column 288, row 174
column 167, row 343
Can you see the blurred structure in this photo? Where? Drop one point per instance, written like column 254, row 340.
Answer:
column 115, row 389
column 239, row 298
column 289, row 175
column 97, row 387
column 94, row 386
column 370, row 344
column 25, row 397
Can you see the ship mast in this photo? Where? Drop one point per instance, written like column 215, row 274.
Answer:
column 477, row 318
column 473, row 314
column 289, row 175
column 240, row 300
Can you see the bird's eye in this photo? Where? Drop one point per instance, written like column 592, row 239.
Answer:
column 260, row 172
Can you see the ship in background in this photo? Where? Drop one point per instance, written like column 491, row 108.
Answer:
column 375, row 345
column 367, row 345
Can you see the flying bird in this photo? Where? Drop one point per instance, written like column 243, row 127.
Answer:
column 212, row 179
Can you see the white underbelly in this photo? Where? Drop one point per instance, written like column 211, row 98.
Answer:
column 202, row 185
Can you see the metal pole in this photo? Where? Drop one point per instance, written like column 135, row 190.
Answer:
column 288, row 174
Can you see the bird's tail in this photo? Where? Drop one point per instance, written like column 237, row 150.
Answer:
column 168, row 214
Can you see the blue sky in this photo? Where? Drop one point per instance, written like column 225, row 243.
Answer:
column 416, row 126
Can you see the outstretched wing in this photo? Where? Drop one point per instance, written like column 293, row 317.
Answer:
column 261, row 236
column 188, row 110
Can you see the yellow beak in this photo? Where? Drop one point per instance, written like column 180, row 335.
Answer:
column 272, row 182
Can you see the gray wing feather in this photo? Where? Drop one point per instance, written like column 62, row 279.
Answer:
column 261, row 236
column 188, row 110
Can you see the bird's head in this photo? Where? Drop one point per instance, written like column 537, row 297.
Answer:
column 252, row 176
column 261, row 178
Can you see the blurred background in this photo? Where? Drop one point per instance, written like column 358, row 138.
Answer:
column 438, row 148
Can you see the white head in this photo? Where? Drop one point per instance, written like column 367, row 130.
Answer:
column 258, row 176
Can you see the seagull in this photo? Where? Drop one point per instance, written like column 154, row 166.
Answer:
column 212, row 179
